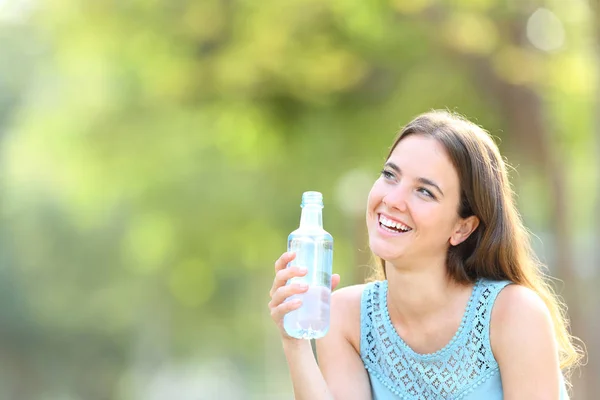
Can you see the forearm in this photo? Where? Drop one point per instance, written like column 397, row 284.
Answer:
column 307, row 380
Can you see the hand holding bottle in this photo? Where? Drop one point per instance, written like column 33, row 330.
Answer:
column 280, row 291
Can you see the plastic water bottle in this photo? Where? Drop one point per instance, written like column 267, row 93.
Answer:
column 314, row 250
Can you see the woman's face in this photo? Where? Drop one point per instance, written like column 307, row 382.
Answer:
column 412, row 207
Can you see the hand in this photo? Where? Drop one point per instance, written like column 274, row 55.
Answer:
column 280, row 291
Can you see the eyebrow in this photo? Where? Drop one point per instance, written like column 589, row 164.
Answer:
column 422, row 180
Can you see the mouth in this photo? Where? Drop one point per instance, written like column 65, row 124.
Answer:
column 392, row 226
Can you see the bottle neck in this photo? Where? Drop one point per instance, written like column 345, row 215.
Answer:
column 312, row 216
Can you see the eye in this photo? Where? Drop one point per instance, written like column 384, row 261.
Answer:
column 387, row 174
column 425, row 192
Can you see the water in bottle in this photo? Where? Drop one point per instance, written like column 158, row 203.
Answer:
column 314, row 251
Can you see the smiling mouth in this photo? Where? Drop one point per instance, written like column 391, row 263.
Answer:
column 393, row 226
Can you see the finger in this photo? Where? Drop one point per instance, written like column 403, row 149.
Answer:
column 286, row 291
column 335, row 280
column 278, row 312
column 284, row 275
column 283, row 261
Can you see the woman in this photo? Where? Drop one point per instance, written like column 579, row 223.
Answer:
column 460, row 309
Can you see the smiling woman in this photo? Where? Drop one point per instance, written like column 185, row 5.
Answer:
column 459, row 307
column 409, row 193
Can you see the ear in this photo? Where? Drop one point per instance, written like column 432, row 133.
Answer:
column 464, row 228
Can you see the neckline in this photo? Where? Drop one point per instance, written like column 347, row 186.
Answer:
column 393, row 333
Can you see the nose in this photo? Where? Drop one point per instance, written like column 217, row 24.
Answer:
column 397, row 198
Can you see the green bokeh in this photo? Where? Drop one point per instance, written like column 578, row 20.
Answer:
column 154, row 154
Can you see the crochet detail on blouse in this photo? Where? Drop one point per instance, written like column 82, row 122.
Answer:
column 454, row 371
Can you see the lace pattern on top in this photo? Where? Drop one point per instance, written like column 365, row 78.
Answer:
column 452, row 372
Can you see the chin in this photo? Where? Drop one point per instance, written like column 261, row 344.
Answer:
column 384, row 252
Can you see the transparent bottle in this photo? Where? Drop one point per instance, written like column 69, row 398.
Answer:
column 314, row 250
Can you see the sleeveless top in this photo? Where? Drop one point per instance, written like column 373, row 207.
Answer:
column 464, row 369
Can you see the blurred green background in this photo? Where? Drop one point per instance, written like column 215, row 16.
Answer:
column 153, row 155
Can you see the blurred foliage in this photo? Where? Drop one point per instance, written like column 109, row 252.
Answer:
column 154, row 154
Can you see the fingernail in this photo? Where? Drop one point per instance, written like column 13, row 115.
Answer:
column 302, row 270
column 302, row 286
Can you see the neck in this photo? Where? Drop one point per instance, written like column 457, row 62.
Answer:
column 420, row 291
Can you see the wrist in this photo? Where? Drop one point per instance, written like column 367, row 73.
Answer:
column 291, row 345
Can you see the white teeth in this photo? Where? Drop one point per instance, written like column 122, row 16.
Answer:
column 393, row 224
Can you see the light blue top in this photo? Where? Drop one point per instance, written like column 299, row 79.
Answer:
column 464, row 369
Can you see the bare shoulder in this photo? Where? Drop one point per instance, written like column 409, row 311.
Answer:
column 345, row 312
column 524, row 344
column 348, row 298
column 338, row 352
column 518, row 308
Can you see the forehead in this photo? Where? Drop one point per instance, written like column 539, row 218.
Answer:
column 420, row 156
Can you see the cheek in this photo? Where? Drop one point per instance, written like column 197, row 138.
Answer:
column 439, row 224
column 375, row 196
column 430, row 215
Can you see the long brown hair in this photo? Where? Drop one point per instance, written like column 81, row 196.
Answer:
column 499, row 249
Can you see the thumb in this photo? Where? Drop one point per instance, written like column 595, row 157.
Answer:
column 335, row 280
